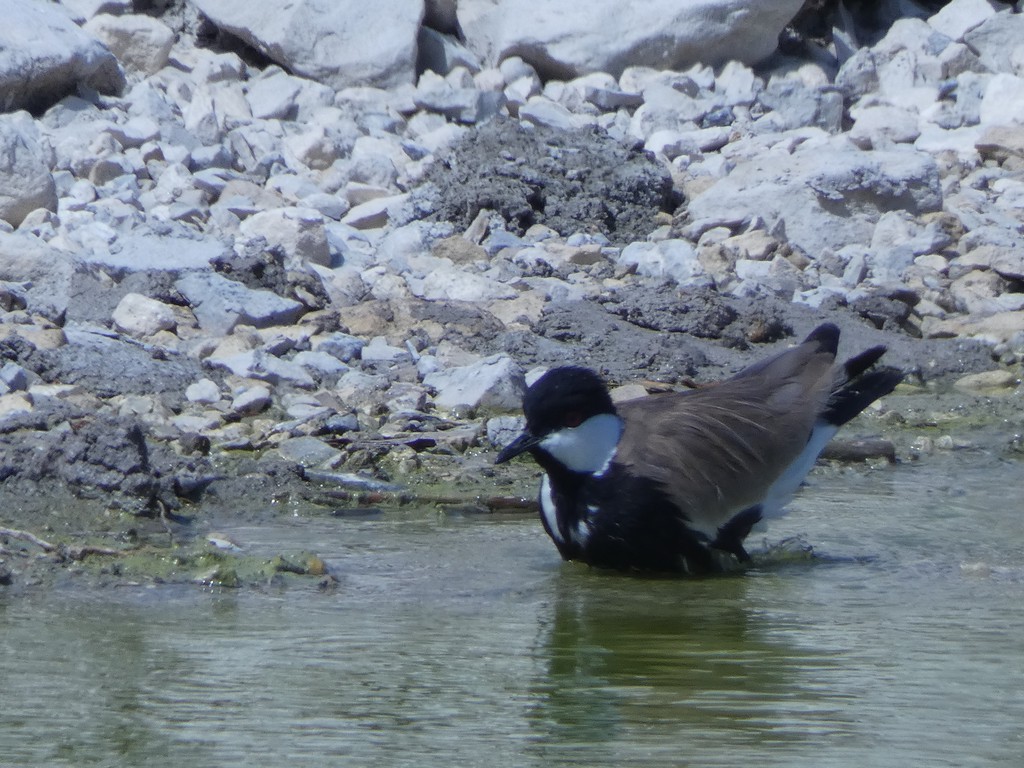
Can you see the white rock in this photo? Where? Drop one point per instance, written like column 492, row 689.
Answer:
column 544, row 112
column 25, row 180
column 15, row 403
column 220, row 304
column 200, row 117
column 274, row 95
column 136, row 131
column 139, row 315
column 340, row 345
column 329, row 206
column 211, row 67
column 357, row 193
column 667, row 107
column 1009, row 263
column 45, row 56
column 998, row 328
column 822, row 198
column 320, row 363
column 257, row 364
column 737, row 84
column 455, row 285
column 141, row 43
column 298, row 232
column 251, row 401
column 561, row 38
column 987, row 381
column 961, row 141
column 145, row 251
column 379, row 351
column 796, row 104
column 341, row 44
column 495, row 382
column 977, row 293
column 316, row 147
column 672, row 144
column 674, row 259
column 204, row 391
column 777, row 276
column 996, row 39
column 881, row 126
column 958, row 58
column 1003, row 103
column 373, row 214
column 957, row 18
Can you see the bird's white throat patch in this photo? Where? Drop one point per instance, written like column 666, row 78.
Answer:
column 590, row 447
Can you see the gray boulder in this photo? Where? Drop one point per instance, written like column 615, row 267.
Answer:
column 995, row 40
column 25, row 179
column 495, row 382
column 565, row 39
column 341, row 44
column 823, row 196
column 141, row 43
column 44, row 57
column 220, row 304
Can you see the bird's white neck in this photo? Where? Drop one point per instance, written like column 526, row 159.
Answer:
column 590, row 447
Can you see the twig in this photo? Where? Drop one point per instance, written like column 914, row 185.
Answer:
column 31, row 538
column 62, row 551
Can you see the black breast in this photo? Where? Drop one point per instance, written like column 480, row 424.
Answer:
column 632, row 525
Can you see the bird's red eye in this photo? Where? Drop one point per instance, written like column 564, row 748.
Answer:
column 573, row 419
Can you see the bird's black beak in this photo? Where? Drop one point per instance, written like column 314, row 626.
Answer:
column 521, row 444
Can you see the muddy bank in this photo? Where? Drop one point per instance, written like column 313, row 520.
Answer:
column 110, row 500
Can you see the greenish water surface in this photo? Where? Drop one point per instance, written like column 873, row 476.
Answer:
column 464, row 641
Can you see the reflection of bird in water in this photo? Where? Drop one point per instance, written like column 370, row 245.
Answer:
column 672, row 662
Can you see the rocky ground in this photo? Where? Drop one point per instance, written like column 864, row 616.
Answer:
column 227, row 289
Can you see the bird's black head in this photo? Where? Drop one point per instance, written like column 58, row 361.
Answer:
column 563, row 398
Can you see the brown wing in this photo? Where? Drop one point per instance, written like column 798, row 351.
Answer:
column 716, row 451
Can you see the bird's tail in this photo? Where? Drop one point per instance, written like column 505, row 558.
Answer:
column 861, row 387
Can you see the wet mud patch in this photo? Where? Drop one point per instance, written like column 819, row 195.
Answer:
column 702, row 313
column 571, row 181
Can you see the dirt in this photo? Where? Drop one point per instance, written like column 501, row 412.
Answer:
column 576, row 181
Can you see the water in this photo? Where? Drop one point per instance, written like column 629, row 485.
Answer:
column 464, row 641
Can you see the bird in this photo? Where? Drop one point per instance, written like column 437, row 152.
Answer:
column 674, row 482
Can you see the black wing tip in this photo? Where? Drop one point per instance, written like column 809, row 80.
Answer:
column 826, row 336
column 857, row 364
column 856, row 395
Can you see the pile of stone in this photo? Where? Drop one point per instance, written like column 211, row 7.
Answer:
column 285, row 252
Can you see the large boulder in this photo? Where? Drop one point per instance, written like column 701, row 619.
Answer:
column 141, row 43
column 44, row 57
column 344, row 43
column 25, row 180
column 822, row 197
column 569, row 39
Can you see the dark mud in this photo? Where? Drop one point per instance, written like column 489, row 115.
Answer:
column 664, row 333
column 577, row 181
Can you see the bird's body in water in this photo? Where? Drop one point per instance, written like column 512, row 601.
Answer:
column 675, row 482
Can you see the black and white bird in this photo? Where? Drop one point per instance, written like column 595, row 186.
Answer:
column 670, row 482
